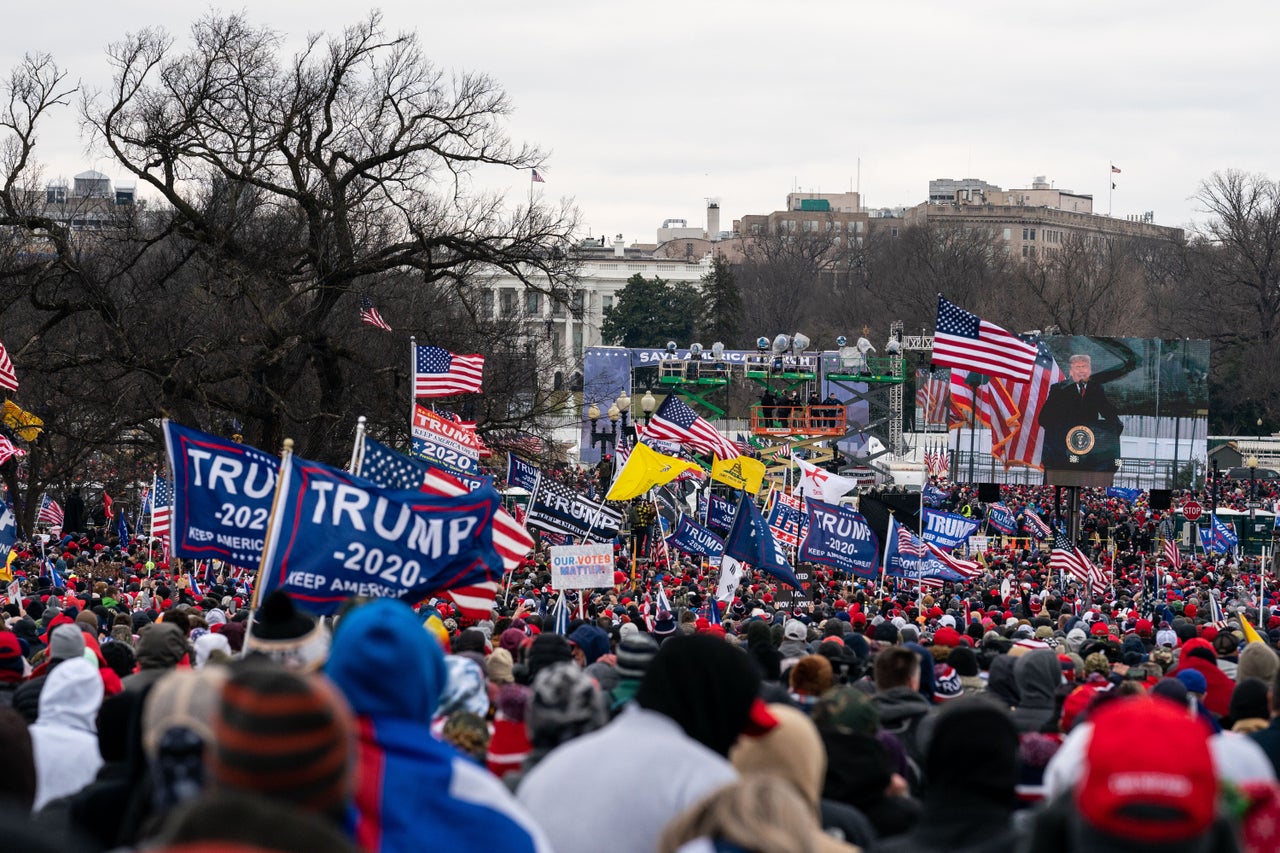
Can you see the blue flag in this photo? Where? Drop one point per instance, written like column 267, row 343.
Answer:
column 8, row 531
column 54, row 578
column 1219, row 537
column 391, row 469
column 520, row 473
column 1128, row 495
column 750, row 541
column 946, row 529
column 1002, row 519
column 335, row 536
column 692, row 538
column 122, row 530
column 719, row 514
column 908, row 557
column 840, row 537
column 561, row 608
column 933, row 496
column 222, row 493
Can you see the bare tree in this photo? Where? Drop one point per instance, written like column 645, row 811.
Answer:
column 1083, row 286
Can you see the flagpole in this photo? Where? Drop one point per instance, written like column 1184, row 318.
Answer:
column 1111, row 185
column 357, row 449
column 286, row 452
column 884, row 561
column 413, row 390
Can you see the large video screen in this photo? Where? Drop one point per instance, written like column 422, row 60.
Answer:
column 1096, row 412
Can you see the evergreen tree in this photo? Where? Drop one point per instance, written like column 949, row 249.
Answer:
column 650, row 312
column 721, row 305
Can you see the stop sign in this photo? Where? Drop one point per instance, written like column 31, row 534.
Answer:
column 1191, row 510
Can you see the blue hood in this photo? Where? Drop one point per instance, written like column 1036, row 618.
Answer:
column 386, row 664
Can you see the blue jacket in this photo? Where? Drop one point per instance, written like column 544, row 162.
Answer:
column 414, row 792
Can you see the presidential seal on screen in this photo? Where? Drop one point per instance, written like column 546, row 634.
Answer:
column 1080, row 440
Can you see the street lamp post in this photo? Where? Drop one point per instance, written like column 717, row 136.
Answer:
column 619, row 415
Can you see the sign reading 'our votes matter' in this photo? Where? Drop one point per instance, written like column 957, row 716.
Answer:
column 581, row 566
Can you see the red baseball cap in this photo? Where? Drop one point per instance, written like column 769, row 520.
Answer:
column 1149, row 774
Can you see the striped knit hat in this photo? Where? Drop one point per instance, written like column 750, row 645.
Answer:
column 283, row 735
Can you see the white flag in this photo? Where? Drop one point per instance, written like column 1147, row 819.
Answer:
column 730, row 576
column 822, row 485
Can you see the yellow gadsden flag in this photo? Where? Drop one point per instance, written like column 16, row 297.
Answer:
column 1250, row 633
column 645, row 469
column 742, row 472
column 25, row 424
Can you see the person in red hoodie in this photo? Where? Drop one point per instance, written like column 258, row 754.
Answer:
column 1198, row 654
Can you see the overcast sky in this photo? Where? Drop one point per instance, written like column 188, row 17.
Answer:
column 648, row 108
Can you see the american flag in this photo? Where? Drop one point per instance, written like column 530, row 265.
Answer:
column 967, row 342
column 1172, row 554
column 931, row 396
column 908, row 543
column 440, row 373
column 8, row 450
column 1012, row 410
column 675, row 421
column 161, row 508
column 370, row 314
column 997, row 408
column 968, row 568
column 8, row 378
column 392, row 470
column 1067, row 558
column 50, row 514
column 537, row 178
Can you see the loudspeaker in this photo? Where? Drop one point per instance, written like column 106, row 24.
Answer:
column 1161, row 499
column 989, row 493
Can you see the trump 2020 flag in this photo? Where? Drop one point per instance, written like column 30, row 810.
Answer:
column 335, row 536
column 751, row 542
column 521, row 474
column 946, row 529
column 692, row 538
column 1002, row 519
column 719, row 513
column 841, row 538
column 222, row 493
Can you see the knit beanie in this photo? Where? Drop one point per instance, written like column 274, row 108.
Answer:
column 500, row 667
column 66, row 642
column 964, row 661
column 1257, row 661
column 635, row 654
column 284, row 735
column 288, row 636
column 511, row 640
column 185, row 698
column 565, row 704
column 545, row 650
column 1249, row 700
column 973, row 752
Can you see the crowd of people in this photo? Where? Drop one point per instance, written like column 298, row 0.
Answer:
column 145, row 705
